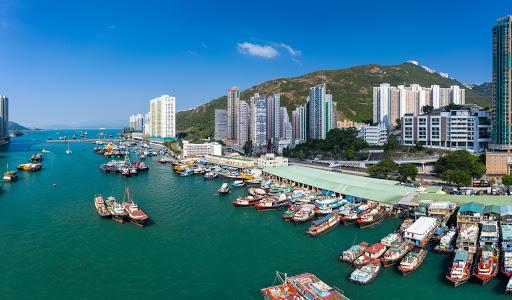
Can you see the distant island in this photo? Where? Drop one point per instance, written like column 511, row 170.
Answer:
column 16, row 126
column 16, row 133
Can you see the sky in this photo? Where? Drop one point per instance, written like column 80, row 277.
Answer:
column 92, row 63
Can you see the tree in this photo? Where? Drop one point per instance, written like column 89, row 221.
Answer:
column 383, row 168
column 506, row 180
column 391, row 144
column 248, row 147
column 427, row 109
column 460, row 160
column 398, row 123
column 408, row 170
column 349, row 154
column 459, row 177
column 491, row 182
column 419, row 146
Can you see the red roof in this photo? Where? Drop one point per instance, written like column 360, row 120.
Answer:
column 375, row 248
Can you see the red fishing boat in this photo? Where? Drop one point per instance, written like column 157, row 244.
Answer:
column 487, row 263
column 136, row 215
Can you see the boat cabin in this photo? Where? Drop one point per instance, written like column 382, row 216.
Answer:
column 470, row 213
column 468, row 238
column 422, row 209
column 490, row 233
column 506, row 235
column 375, row 250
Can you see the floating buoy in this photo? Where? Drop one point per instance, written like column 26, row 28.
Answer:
column 54, row 185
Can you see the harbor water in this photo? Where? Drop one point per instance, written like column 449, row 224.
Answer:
column 53, row 245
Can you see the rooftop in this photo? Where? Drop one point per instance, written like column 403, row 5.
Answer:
column 421, row 226
column 461, row 199
column 472, row 206
column 386, row 191
column 492, row 209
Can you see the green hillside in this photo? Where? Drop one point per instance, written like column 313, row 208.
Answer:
column 352, row 90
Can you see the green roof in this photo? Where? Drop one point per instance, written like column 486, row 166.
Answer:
column 472, row 206
column 492, row 209
column 386, row 191
column 461, row 199
column 433, row 189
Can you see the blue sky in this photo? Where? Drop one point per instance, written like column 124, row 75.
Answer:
column 97, row 62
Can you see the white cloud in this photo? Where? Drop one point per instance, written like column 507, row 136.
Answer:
column 257, row 50
column 204, row 45
column 290, row 49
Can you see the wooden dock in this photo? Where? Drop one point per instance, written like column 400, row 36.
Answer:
column 81, row 141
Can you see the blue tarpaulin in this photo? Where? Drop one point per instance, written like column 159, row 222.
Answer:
column 324, row 192
column 330, row 193
column 349, row 198
column 359, row 200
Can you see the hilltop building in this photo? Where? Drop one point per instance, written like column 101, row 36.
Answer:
column 374, row 135
column 4, row 117
column 392, row 103
column 162, row 115
column 233, row 100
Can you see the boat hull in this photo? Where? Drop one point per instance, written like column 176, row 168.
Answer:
column 301, row 222
column 119, row 218
column 313, row 234
column 276, row 207
column 372, row 222
column 407, row 271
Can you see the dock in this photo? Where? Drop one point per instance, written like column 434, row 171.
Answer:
column 81, row 141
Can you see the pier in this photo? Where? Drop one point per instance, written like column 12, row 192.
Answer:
column 81, row 141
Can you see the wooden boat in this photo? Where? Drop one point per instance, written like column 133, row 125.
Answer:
column 352, row 216
column 290, row 212
column 412, row 260
column 353, row 252
column 304, row 214
column 224, row 189
column 391, row 239
column 371, row 218
column 395, row 253
column 506, row 262
column 323, row 225
column 367, row 273
column 508, row 288
column 361, row 261
column 116, row 210
column 137, row 216
column 302, row 287
column 460, row 270
column 100, row 207
column 272, row 203
column 256, row 192
column 486, row 266
column 249, row 201
column 10, row 175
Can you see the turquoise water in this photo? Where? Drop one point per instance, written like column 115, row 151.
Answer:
column 196, row 245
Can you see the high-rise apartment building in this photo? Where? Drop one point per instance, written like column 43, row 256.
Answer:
column 274, row 117
column 502, row 84
column 242, row 123
column 162, row 114
column 137, row 122
column 4, row 117
column 258, row 120
column 321, row 115
column 233, row 100
column 221, row 124
column 147, row 124
column 284, row 119
column 299, row 131
column 392, row 103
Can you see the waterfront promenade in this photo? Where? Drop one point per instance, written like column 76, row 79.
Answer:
column 80, row 141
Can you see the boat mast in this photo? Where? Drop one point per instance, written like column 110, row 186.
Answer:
column 127, row 192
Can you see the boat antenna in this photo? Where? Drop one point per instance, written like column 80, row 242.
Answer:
column 354, row 240
column 127, row 192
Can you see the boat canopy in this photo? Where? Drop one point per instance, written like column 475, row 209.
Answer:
column 461, row 255
column 324, row 192
column 349, row 198
column 330, row 193
column 359, row 200
column 440, row 231
column 322, row 220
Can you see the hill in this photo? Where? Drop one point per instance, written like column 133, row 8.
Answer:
column 484, row 89
column 352, row 90
column 16, row 126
